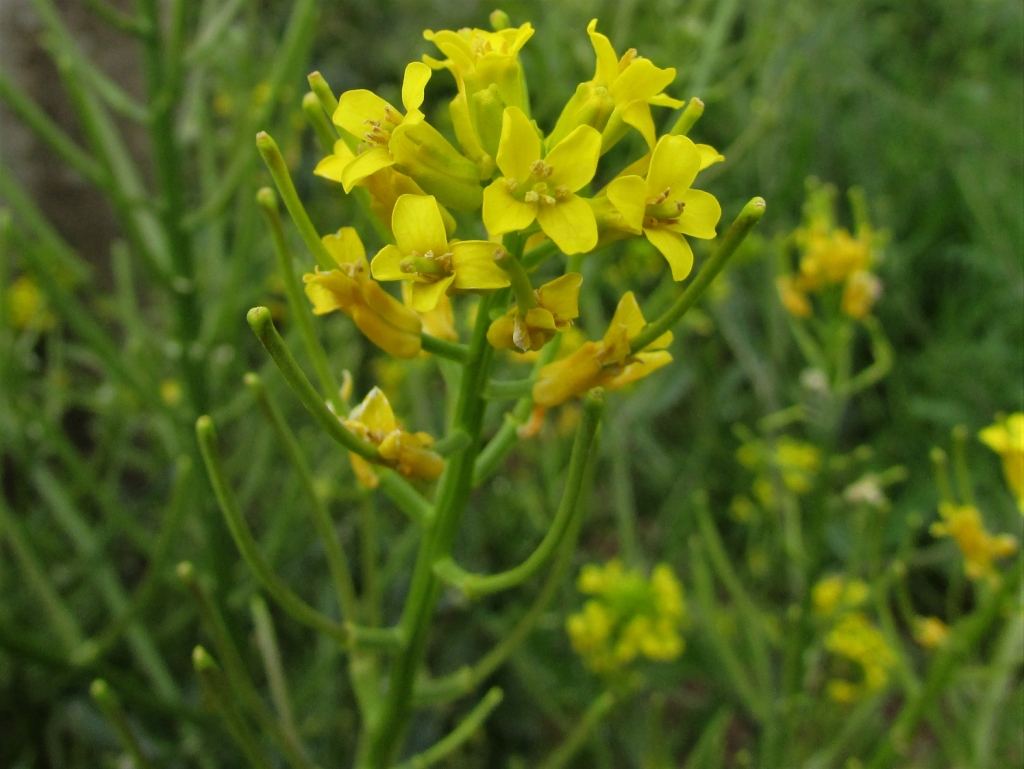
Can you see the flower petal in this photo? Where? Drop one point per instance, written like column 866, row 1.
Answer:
column 629, row 196
column 502, row 212
column 374, row 412
column 332, row 166
column 418, row 225
column 700, row 215
column 628, row 314
column 385, row 265
column 499, row 334
column 709, row 155
column 674, row 166
column 664, row 100
column 366, row 164
column 356, row 107
column 473, row 262
column 330, row 291
column 643, row 363
column 674, row 248
column 607, row 69
column 519, row 146
column 415, row 81
column 569, row 377
column 390, row 309
column 561, row 296
column 638, row 115
column 640, row 80
column 453, row 45
column 344, row 246
column 570, row 223
column 425, row 296
column 574, row 159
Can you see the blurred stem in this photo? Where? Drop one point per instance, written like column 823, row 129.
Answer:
column 247, row 545
column 106, row 700
column 450, row 350
column 297, row 301
column 322, row 127
column 625, row 502
column 266, row 640
column 239, row 683
column 573, row 741
column 1008, row 653
column 940, row 465
column 459, row 735
column 752, row 620
column 341, row 574
column 881, row 350
column 368, row 561
column 475, row 585
column 217, row 687
column 737, row 233
column 960, row 468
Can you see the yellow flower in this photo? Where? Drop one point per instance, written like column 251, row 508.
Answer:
column 424, row 256
column 544, row 189
column 618, row 96
column 556, row 308
column 487, row 70
column 390, row 138
column 831, row 256
column 856, row 639
column 385, row 186
column 629, row 616
column 793, row 299
column 27, row 305
column 383, row 319
column 797, row 462
column 440, row 321
column 664, row 207
column 963, row 523
column 835, row 594
column 408, row 453
column 861, row 291
column 1006, row 438
column 931, row 632
column 373, row 121
column 607, row 363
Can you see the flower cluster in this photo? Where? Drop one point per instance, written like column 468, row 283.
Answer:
column 796, row 463
column 980, row 549
column 852, row 638
column 628, row 616
column 833, row 264
column 1006, row 438
column 26, row 305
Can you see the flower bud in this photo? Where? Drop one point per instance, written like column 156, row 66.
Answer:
column 424, row 154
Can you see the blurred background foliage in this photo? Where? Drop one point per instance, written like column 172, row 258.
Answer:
column 918, row 102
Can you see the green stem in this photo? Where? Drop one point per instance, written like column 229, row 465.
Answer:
column 217, row 686
column 322, row 127
column 263, row 326
column 266, row 640
column 297, row 301
column 286, row 188
column 539, row 254
column 881, row 350
column 337, row 561
column 690, row 115
column 475, row 585
column 247, row 545
column 466, row 729
column 565, row 752
column 324, row 94
column 748, row 217
column 521, row 286
column 450, row 350
column 108, row 703
column 502, row 389
column 961, row 472
column 452, row 497
column 239, row 683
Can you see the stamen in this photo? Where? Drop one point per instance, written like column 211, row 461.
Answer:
column 511, row 185
column 531, row 197
column 547, row 200
column 662, row 197
column 562, row 192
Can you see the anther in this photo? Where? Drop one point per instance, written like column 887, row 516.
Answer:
column 547, row 200
column 531, row 197
column 511, row 184
column 562, row 192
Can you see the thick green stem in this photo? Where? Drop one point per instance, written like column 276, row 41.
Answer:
column 452, row 497
column 443, row 348
column 322, row 127
column 748, row 217
column 247, row 545
column 475, row 585
column 691, row 114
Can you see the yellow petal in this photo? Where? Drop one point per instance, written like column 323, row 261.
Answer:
column 332, row 166
column 329, row 291
column 574, row 159
column 365, row 164
column 415, row 81
column 640, row 80
column 628, row 315
column 363, row 471
column 639, row 167
column 641, row 365
column 607, row 69
column 499, row 334
column 561, row 296
column 629, row 196
column 674, row 166
column 344, row 246
column 664, row 100
column 425, row 296
column 396, row 343
column 454, row 46
column 502, row 212
column 700, row 215
column 385, row 265
column 357, row 107
column 374, row 412
column 708, row 155
column 638, row 115
column 674, row 248
column 519, row 146
column 473, row 262
column 390, row 309
column 570, row 223
column 567, row 378
column 418, row 225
